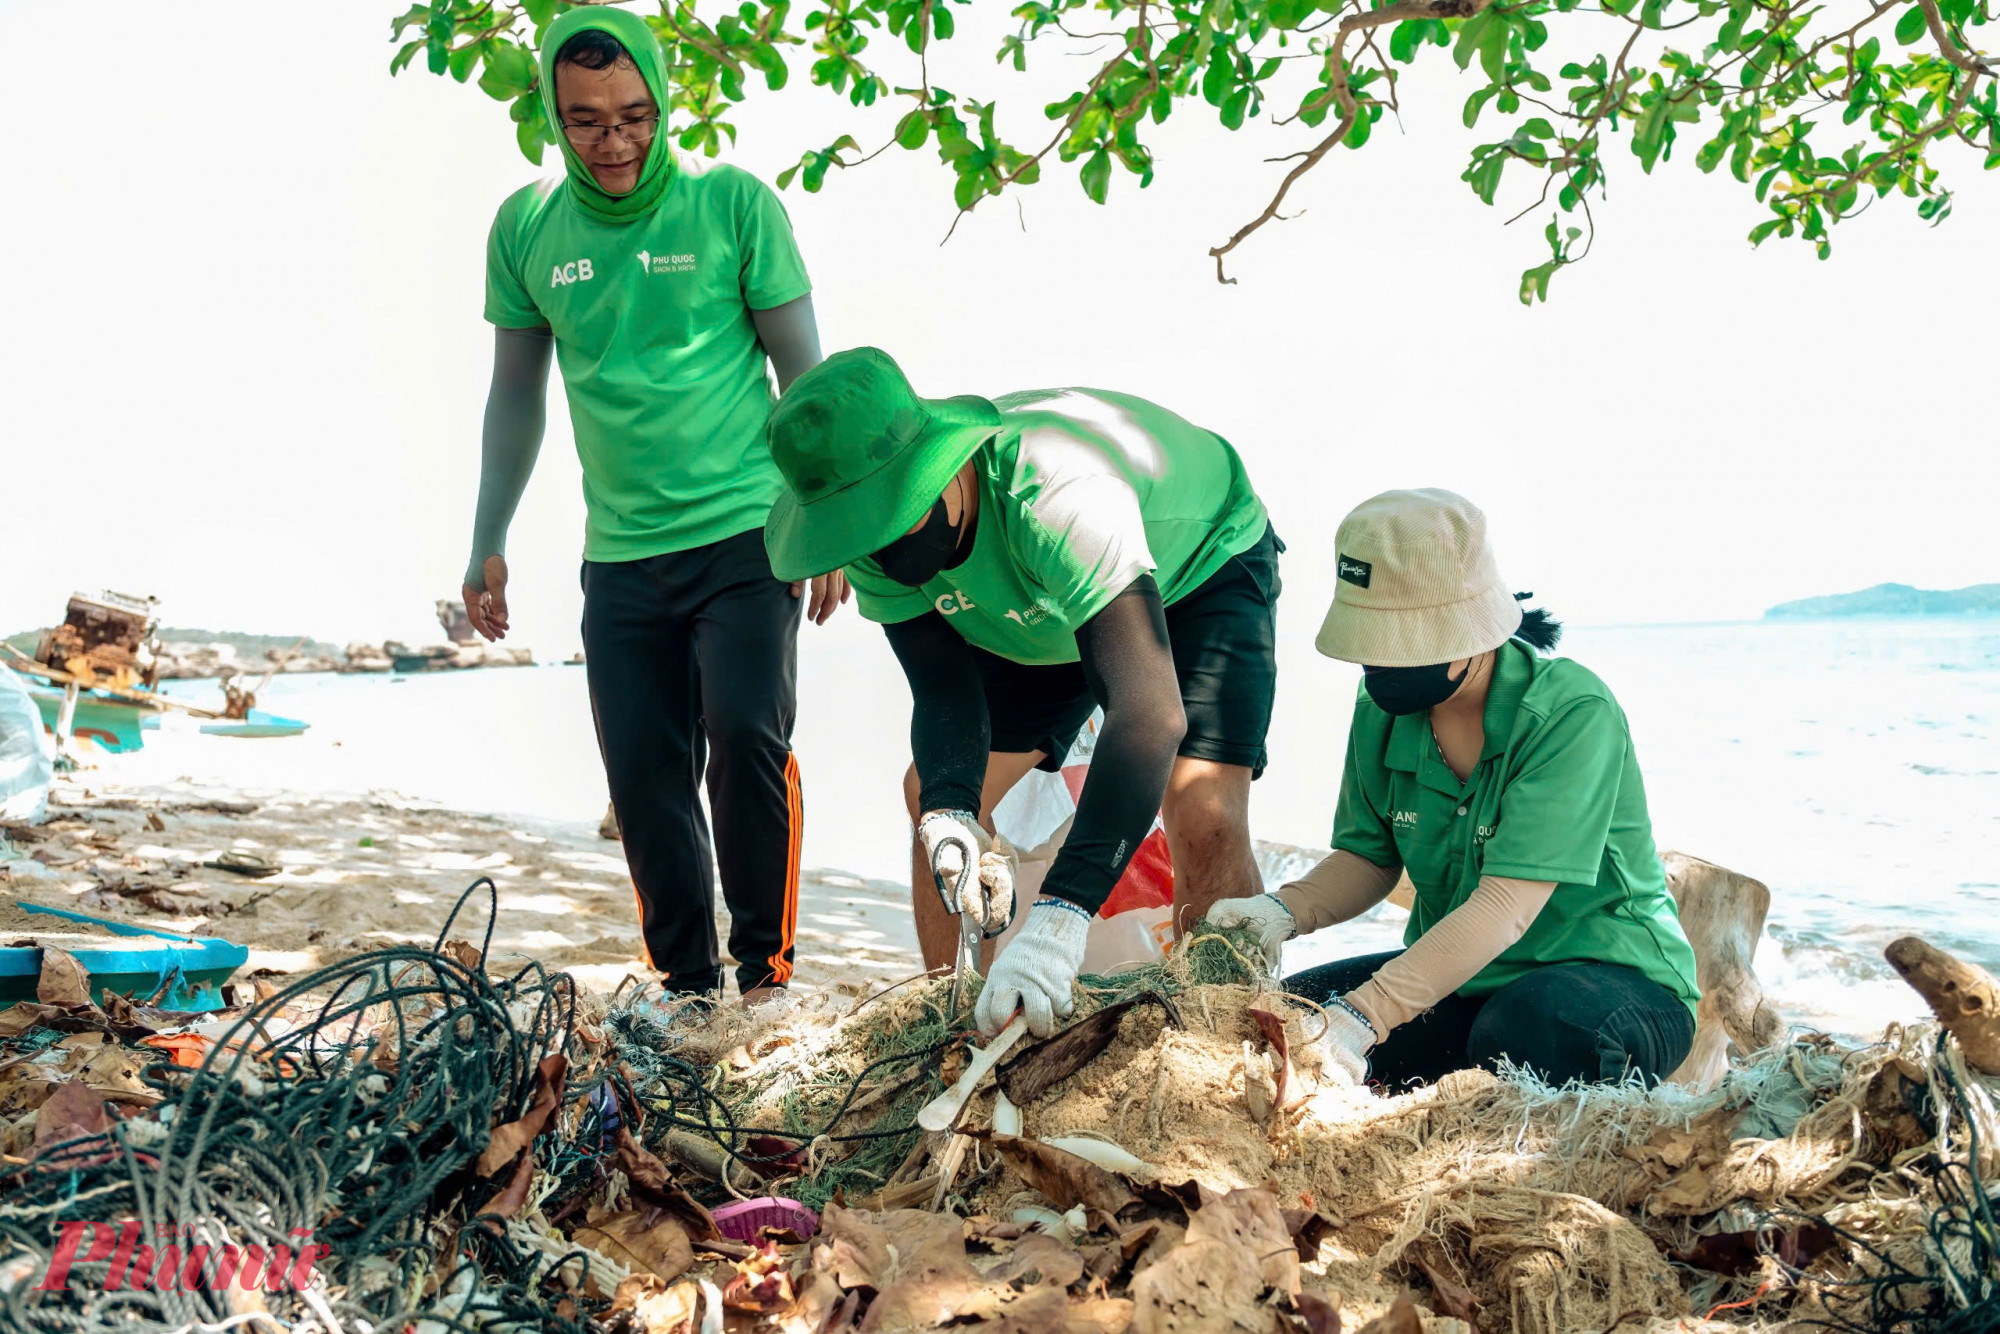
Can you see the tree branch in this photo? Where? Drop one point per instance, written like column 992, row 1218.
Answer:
column 1350, row 107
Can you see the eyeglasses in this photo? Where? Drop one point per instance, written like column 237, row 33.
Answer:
column 634, row 132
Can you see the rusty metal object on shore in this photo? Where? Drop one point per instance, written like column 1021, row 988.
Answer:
column 105, row 640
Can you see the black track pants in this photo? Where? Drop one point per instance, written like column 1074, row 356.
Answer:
column 692, row 663
column 1594, row 1022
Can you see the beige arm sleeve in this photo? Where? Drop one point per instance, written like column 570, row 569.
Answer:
column 1342, row 886
column 1446, row 957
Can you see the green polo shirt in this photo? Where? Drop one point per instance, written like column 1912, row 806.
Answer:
column 1083, row 491
column 666, row 379
column 1556, row 795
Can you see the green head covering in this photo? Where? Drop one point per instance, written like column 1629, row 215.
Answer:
column 863, row 458
column 631, row 33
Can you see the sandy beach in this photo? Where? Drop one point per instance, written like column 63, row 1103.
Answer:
column 129, row 839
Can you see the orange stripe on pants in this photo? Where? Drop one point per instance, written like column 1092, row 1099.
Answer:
column 781, row 966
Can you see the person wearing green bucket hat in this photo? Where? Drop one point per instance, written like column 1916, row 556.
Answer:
column 1032, row 558
column 666, row 291
column 1504, row 781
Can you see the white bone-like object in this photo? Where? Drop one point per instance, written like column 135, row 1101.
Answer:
column 940, row 1112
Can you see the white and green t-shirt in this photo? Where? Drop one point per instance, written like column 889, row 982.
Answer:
column 1082, row 492
column 666, row 379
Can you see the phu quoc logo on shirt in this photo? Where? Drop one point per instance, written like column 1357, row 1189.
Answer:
column 651, row 263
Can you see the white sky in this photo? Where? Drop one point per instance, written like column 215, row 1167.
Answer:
column 245, row 364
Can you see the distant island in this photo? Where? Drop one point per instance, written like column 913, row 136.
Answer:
column 1895, row 600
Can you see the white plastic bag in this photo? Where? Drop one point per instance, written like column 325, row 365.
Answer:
column 26, row 761
column 1136, row 923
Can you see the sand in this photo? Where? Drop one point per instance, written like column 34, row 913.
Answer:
column 361, row 871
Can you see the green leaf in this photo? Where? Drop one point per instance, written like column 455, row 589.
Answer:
column 510, row 71
column 1406, row 37
column 1762, row 231
column 403, row 57
column 1484, row 173
column 1470, row 34
column 913, row 130
column 529, row 137
column 784, row 177
column 1234, row 109
column 415, row 17
column 539, row 11
column 1474, row 103
column 1535, row 282
column 1910, row 28
column 462, row 61
column 1096, row 176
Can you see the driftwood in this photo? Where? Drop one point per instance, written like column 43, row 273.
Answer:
column 1723, row 914
column 1964, row 996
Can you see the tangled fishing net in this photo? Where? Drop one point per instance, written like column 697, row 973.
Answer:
column 505, row 1153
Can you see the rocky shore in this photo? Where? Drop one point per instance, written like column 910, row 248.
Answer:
column 187, row 661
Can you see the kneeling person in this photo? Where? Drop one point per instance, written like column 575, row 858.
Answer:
column 1032, row 558
column 1505, row 782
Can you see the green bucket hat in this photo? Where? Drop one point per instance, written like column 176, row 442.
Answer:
column 863, row 458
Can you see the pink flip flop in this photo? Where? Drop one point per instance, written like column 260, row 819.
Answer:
column 745, row 1220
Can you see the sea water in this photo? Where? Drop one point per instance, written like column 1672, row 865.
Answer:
column 1851, row 765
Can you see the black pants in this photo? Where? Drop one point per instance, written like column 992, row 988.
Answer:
column 1595, row 1022
column 692, row 663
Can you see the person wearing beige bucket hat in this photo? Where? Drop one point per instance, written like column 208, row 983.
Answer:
column 1032, row 558
column 1504, row 782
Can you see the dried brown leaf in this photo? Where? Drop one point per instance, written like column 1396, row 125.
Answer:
column 508, row 1140
column 933, row 1282
column 18, row 1018
column 511, row 1199
column 642, row 1239
column 1309, row 1228
column 1402, row 1318
column 1203, row 1287
column 1040, row 1258
column 657, row 1306
column 465, row 956
column 1449, row 1296
column 653, row 1183
column 1250, row 1218
column 813, row 1307
column 1738, row 1253
column 1317, row 1313
column 72, row 1111
column 1273, row 1029
column 64, row 981
column 1034, row 1070
column 1063, row 1178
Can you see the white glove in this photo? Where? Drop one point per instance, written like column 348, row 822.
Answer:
column 1266, row 914
column 947, row 836
column 1037, row 970
column 1346, row 1042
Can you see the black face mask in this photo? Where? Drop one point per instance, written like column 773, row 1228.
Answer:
column 914, row 559
column 1398, row 691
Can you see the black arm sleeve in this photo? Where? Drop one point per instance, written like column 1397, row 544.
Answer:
column 949, row 730
column 1130, row 667
column 516, row 406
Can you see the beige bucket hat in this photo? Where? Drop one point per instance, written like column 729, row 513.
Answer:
column 1417, row 584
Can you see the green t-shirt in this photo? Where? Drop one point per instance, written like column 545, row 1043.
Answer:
column 1556, row 796
column 1081, row 493
column 666, row 380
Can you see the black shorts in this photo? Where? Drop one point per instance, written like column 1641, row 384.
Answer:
column 1225, row 644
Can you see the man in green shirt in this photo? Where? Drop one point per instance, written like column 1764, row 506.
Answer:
column 1033, row 558
column 662, row 288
